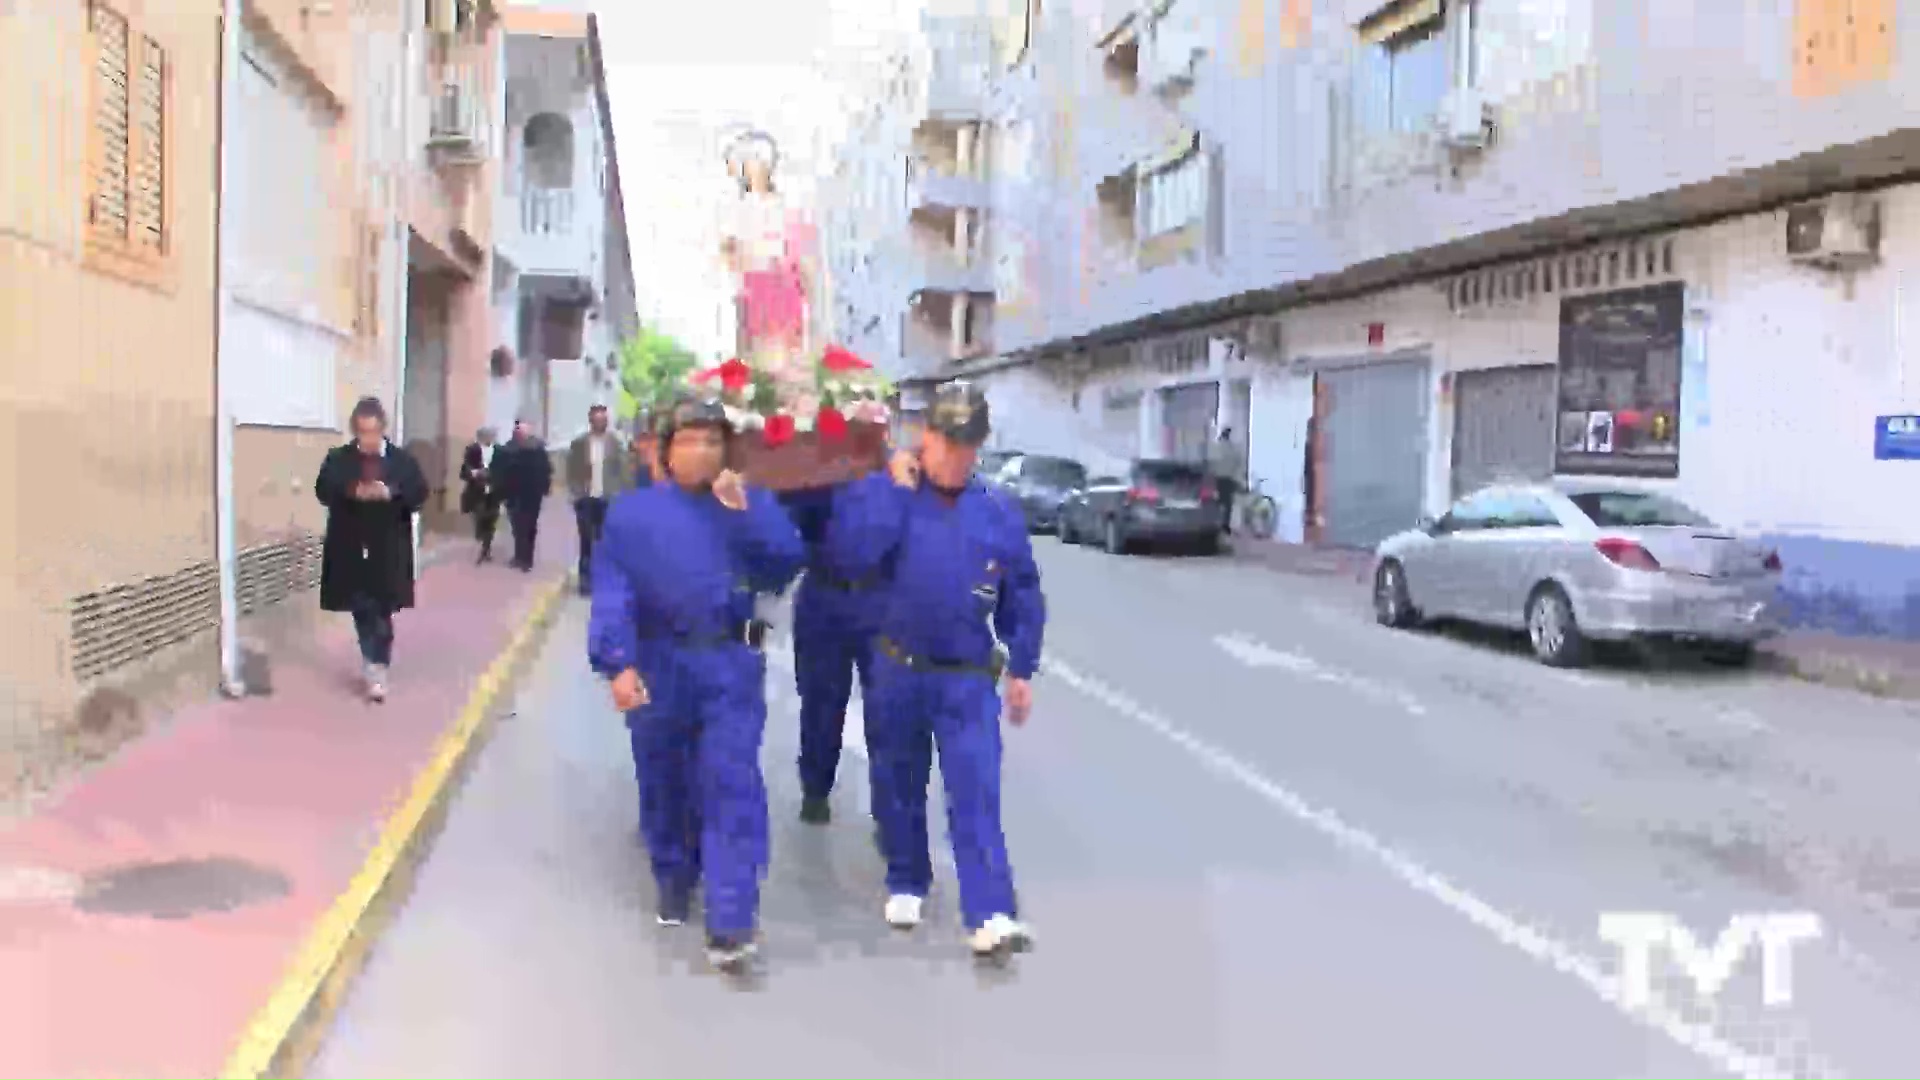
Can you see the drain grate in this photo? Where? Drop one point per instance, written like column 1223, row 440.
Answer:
column 181, row 888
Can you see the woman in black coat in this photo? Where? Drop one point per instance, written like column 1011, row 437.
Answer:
column 371, row 489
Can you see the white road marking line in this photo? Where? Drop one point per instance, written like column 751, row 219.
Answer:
column 1256, row 654
column 1508, row 930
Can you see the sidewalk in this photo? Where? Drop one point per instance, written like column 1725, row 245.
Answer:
column 150, row 912
column 1880, row 666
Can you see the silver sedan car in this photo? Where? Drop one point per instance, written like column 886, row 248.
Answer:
column 1576, row 561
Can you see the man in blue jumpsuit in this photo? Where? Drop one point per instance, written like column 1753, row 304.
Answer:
column 672, row 627
column 835, row 615
column 960, row 570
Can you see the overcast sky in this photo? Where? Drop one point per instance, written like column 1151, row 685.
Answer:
column 677, row 76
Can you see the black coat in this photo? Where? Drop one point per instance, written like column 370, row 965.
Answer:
column 523, row 474
column 369, row 545
column 480, row 490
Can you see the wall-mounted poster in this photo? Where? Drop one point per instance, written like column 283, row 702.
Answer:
column 1620, row 382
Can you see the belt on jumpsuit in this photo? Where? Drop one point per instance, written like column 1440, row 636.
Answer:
column 749, row 632
column 992, row 668
column 841, row 584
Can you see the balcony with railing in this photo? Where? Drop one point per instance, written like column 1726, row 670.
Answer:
column 459, row 104
column 554, row 237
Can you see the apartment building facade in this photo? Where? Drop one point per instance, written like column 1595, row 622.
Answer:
column 563, row 291
column 1402, row 248
column 905, row 212
column 192, row 306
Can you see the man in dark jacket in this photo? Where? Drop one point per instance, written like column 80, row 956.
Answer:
column 525, row 480
column 371, row 489
column 480, row 497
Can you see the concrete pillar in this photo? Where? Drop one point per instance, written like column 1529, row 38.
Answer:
column 958, row 339
column 962, row 226
column 963, row 151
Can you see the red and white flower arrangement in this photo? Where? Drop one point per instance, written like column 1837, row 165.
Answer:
column 843, row 389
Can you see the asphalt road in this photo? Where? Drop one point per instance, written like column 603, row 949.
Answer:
column 1255, row 835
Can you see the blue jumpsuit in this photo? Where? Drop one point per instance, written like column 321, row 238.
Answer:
column 673, row 584
column 835, row 615
column 959, row 572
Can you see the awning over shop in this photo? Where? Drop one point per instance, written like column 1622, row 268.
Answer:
column 1397, row 18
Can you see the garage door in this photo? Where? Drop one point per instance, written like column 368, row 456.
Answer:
column 1187, row 418
column 1503, row 426
column 1374, row 436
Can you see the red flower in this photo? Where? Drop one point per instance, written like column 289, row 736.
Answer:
column 778, row 430
column 735, row 375
column 831, row 425
column 837, row 359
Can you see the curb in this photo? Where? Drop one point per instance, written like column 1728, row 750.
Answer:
column 1830, row 669
column 286, row 1032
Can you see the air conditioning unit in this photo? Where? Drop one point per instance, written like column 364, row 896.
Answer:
column 454, row 123
column 1839, row 232
column 1466, row 120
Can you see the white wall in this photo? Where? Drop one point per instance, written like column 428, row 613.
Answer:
column 1786, row 369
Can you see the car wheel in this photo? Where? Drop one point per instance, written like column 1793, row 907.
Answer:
column 1730, row 653
column 1392, row 605
column 1552, row 629
column 1116, row 538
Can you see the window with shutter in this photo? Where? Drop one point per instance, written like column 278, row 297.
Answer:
column 129, row 224
column 108, row 199
column 147, row 150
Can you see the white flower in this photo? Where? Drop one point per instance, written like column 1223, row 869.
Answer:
column 803, row 423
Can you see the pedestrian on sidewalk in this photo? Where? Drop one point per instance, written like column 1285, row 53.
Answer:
column 371, row 489
column 527, row 476
column 835, row 616
column 959, row 571
column 1229, row 467
column 594, row 475
column 480, row 497
column 672, row 627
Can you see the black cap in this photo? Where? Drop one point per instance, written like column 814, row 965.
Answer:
column 959, row 412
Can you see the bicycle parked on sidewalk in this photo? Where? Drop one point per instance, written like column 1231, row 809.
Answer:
column 1255, row 512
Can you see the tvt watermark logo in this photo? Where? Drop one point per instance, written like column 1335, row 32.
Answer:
column 1641, row 934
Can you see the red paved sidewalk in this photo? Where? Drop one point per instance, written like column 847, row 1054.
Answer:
column 297, row 784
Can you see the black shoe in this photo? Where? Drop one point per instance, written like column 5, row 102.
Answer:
column 676, row 907
column 815, row 810
column 485, row 557
column 731, row 954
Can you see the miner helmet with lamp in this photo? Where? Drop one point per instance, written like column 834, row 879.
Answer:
column 957, row 425
column 693, row 434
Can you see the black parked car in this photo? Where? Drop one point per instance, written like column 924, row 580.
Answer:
column 1040, row 483
column 1157, row 502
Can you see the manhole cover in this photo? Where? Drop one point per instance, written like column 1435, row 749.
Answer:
column 180, row 889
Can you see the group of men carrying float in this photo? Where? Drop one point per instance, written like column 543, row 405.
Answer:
column 916, row 577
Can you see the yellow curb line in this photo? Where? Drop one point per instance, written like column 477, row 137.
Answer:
column 283, row 1035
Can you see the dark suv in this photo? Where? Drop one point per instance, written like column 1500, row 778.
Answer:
column 1163, row 502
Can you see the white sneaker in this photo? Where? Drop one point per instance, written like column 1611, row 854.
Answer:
column 999, row 935
column 903, row 911
column 376, row 682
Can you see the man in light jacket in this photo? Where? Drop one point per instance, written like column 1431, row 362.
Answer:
column 596, row 472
